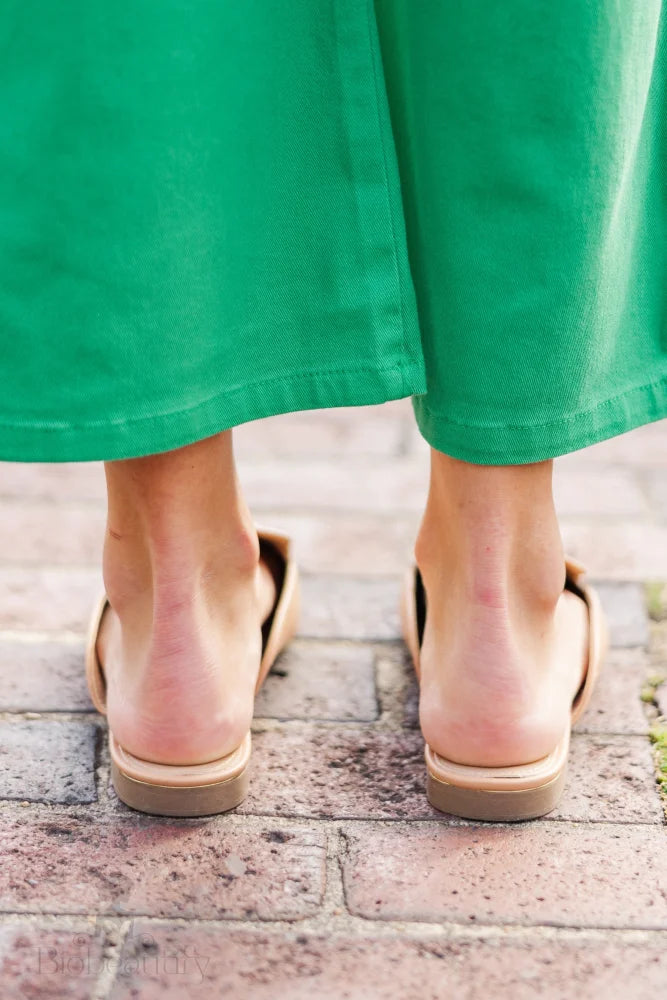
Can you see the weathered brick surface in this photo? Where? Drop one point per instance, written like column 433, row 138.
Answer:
column 643, row 447
column 625, row 607
column 351, row 544
column 609, row 780
column 320, row 773
column 43, row 963
column 42, row 677
column 615, row 706
column 51, row 600
column 613, row 549
column 206, row 869
column 359, row 485
column 315, row 680
column 39, row 533
column 317, row 772
column 76, row 482
column 655, row 485
column 161, row 961
column 47, row 761
column 338, row 607
column 342, row 433
column 532, row 873
column 598, row 492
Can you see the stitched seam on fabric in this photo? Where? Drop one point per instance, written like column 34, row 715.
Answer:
column 386, row 177
column 297, row 376
column 546, row 423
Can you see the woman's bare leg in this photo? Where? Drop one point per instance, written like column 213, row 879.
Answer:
column 504, row 647
column 182, row 644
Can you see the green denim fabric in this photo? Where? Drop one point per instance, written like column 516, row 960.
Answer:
column 212, row 212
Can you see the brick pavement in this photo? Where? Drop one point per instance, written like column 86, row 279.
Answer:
column 335, row 876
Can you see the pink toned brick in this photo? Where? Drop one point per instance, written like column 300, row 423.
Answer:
column 48, row 599
column 534, row 873
column 350, row 544
column 644, row 446
column 372, row 431
column 208, row 869
column 42, row 677
column 162, row 962
column 655, row 482
column 72, row 482
column 594, row 492
column 47, row 760
column 616, row 706
column 317, row 680
column 617, row 550
column 348, row 485
column 610, row 779
column 51, row 534
column 624, row 604
column 49, row 963
column 325, row 773
column 336, row 607
column 322, row 773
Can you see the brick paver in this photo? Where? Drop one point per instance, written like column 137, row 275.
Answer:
column 48, row 761
column 263, row 966
column 541, row 873
column 356, row 773
column 46, row 599
column 49, row 964
column 321, row 681
column 38, row 676
column 335, row 877
column 208, row 869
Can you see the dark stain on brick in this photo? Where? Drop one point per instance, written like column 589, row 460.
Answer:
column 277, row 836
column 51, row 828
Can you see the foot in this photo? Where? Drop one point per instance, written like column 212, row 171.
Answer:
column 181, row 643
column 504, row 647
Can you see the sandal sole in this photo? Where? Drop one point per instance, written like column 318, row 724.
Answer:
column 500, row 806
column 193, row 800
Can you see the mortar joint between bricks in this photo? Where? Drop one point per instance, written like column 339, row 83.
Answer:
column 391, row 686
column 113, row 941
column 342, row 854
column 333, row 901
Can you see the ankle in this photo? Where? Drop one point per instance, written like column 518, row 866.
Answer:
column 177, row 521
column 491, row 534
column 174, row 574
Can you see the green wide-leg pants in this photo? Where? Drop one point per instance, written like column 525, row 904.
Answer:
column 212, row 212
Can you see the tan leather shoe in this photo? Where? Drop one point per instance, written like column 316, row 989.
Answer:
column 217, row 785
column 522, row 791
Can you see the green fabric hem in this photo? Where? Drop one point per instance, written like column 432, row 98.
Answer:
column 107, row 440
column 505, row 444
